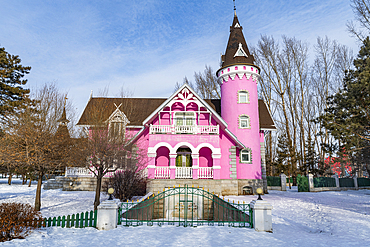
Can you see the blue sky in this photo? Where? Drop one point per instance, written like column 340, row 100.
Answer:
column 147, row 46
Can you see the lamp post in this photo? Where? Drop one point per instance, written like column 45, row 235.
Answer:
column 259, row 192
column 110, row 192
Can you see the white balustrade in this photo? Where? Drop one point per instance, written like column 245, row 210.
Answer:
column 78, row 172
column 184, row 129
column 85, row 172
column 162, row 172
column 205, row 172
column 184, row 172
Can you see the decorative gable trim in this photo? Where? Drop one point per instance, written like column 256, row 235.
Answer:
column 118, row 116
column 240, row 52
column 194, row 98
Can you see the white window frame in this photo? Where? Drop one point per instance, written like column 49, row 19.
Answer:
column 242, row 119
column 243, row 93
column 249, row 152
column 184, row 118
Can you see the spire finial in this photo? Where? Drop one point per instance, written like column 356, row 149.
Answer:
column 234, row 8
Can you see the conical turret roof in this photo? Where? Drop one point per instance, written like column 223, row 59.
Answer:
column 63, row 118
column 237, row 51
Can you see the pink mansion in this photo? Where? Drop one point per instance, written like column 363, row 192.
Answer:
column 217, row 144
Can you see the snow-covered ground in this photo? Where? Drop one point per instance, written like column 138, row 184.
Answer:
column 304, row 219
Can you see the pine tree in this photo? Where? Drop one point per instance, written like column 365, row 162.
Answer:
column 12, row 93
column 348, row 115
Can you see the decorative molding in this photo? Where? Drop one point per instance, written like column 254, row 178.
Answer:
column 152, row 155
column 216, row 167
column 151, row 166
column 231, row 71
column 216, row 156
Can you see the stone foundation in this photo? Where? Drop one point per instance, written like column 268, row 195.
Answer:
column 223, row 187
column 71, row 183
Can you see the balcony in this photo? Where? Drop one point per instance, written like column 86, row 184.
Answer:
column 184, row 129
column 163, row 172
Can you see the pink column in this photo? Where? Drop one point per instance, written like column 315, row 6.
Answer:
column 151, row 166
column 216, row 167
column 173, row 166
column 195, row 167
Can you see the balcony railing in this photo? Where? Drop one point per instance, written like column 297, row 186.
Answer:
column 163, row 172
column 205, row 172
column 184, row 129
column 184, row 172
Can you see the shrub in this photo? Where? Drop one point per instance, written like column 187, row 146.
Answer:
column 126, row 184
column 17, row 220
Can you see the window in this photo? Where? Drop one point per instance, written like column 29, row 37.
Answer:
column 245, row 156
column 185, row 118
column 243, row 97
column 243, row 122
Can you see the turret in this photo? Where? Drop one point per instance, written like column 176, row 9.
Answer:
column 238, row 77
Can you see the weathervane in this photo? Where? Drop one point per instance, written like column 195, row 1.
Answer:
column 234, row 7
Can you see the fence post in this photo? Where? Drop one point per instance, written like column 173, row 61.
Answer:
column 283, row 181
column 355, row 182
column 107, row 217
column 262, row 218
column 336, row 180
column 310, row 182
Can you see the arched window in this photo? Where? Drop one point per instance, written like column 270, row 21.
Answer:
column 244, row 122
column 243, row 97
column 245, row 156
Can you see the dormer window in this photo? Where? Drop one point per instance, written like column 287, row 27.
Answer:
column 185, row 118
column 243, row 97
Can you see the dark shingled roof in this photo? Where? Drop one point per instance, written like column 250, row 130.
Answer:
column 236, row 37
column 138, row 109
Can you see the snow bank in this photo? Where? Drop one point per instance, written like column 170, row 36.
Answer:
column 340, row 218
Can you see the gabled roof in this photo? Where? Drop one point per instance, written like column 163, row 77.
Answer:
column 237, row 51
column 164, row 104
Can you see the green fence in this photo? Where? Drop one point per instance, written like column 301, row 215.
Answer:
column 273, row 181
column 302, row 183
column 362, row 182
column 82, row 220
column 324, row 182
column 346, row 182
column 185, row 206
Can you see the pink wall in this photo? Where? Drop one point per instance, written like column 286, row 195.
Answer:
column 231, row 110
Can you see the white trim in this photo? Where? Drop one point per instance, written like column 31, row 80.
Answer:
column 216, row 167
column 150, row 166
column 152, row 155
column 164, row 104
column 230, row 72
column 240, row 52
column 178, row 145
column 235, row 138
column 216, row 156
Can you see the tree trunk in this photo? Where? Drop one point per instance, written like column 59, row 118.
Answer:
column 38, row 192
column 10, row 179
column 29, row 184
column 97, row 191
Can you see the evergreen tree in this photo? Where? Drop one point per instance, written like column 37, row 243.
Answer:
column 12, row 93
column 310, row 162
column 348, row 116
